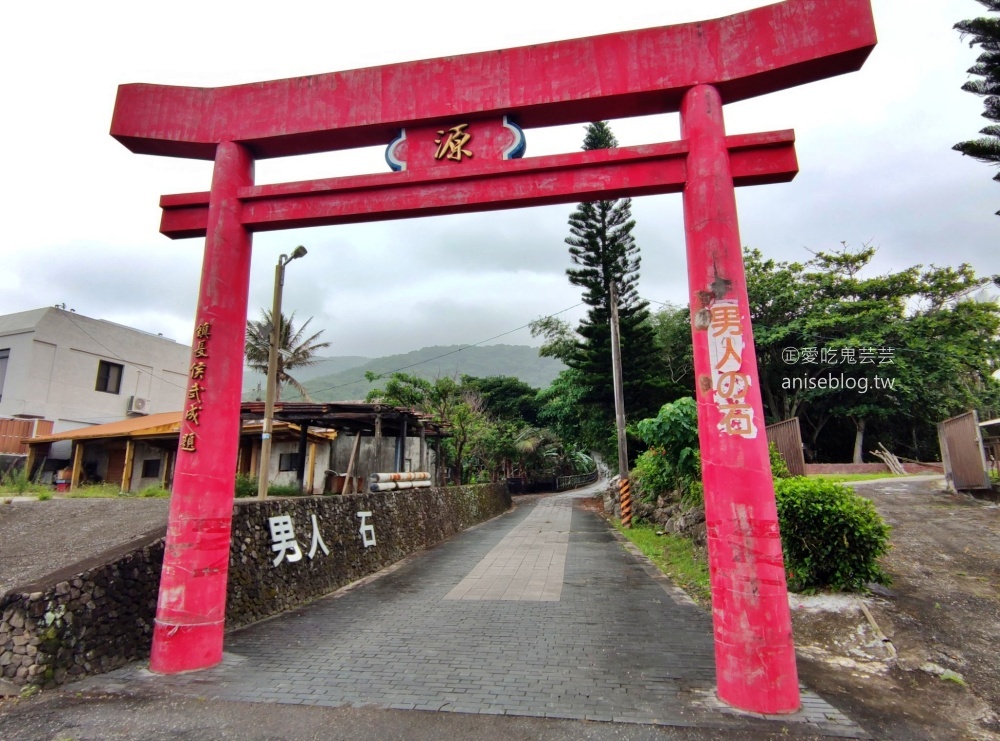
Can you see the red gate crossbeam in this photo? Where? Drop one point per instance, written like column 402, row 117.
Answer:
column 630, row 73
column 756, row 159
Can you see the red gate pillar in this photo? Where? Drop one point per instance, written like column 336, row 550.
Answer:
column 191, row 609
column 754, row 653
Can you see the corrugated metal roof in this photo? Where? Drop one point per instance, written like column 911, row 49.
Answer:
column 153, row 424
column 165, row 423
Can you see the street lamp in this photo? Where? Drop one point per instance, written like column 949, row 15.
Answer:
column 272, row 370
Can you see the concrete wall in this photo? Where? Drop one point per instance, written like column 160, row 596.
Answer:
column 54, row 357
column 290, row 478
column 98, row 615
column 844, row 468
column 366, row 463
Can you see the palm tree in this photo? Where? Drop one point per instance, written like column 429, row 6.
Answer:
column 293, row 351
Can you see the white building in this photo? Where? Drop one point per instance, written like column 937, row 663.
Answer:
column 76, row 371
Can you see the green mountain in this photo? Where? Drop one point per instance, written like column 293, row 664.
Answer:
column 323, row 367
column 520, row 361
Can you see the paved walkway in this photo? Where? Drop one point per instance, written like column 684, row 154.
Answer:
column 540, row 612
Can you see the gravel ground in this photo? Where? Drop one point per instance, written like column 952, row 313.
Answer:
column 38, row 538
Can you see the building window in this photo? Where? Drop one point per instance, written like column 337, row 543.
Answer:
column 109, row 377
column 4, row 354
column 288, row 462
column 151, row 468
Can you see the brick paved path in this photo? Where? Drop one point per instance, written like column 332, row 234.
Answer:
column 539, row 612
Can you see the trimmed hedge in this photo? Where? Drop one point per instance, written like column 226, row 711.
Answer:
column 831, row 537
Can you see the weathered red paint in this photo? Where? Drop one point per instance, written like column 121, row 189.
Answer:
column 617, row 75
column 191, row 611
column 754, row 654
column 482, row 186
column 694, row 68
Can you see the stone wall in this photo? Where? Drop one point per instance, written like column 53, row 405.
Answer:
column 403, row 521
column 84, row 620
column 98, row 615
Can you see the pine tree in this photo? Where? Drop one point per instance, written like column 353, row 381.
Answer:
column 603, row 247
column 985, row 32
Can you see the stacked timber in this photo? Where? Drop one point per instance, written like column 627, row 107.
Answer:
column 404, row 480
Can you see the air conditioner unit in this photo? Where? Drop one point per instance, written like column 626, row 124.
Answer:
column 138, row 405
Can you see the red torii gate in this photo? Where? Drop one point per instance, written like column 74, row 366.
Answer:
column 449, row 124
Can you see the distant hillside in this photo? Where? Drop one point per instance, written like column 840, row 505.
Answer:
column 324, row 367
column 520, row 361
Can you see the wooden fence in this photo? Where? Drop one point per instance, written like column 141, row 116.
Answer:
column 962, row 452
column 13, row 430
column 787, row 436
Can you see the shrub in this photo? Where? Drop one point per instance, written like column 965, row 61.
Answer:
column 673, row 463
column 653, row 474
column 246, row 485
column 285, row 490
column 831, row 537
column 779, row 469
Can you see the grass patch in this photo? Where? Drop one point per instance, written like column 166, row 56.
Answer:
column 111, row 491
column 95, row 491
column 676, row 557
column 15, row 481
column 151, row 492
column 838, row 477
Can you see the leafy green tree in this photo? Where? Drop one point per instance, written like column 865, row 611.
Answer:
column 444, row 400
column 506, row 397
column 488, row 419
column 294, row 349
column 673, row 461
column 985, row 32
column 606, row 258
column 560, row 338
column 565, row 411
column 672, row 327
column 930, row 350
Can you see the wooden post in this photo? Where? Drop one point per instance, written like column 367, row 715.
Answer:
column 377, row 447
column 300, row 466
column 349, row 479
column 29, row 463
column 311, row 468
column 74, row 481
column 422, row 466
column 254, row 457
column 166, row 480
column 127, row 470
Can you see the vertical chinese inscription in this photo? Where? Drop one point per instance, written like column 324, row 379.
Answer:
column 197, row 374
column 730, row 384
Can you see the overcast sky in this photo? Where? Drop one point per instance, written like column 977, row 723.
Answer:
column 80, row 212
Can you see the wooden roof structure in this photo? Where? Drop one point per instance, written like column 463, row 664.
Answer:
column 349, row 416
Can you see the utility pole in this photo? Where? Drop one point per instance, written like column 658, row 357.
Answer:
column 272, row 371
column 624, row 487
